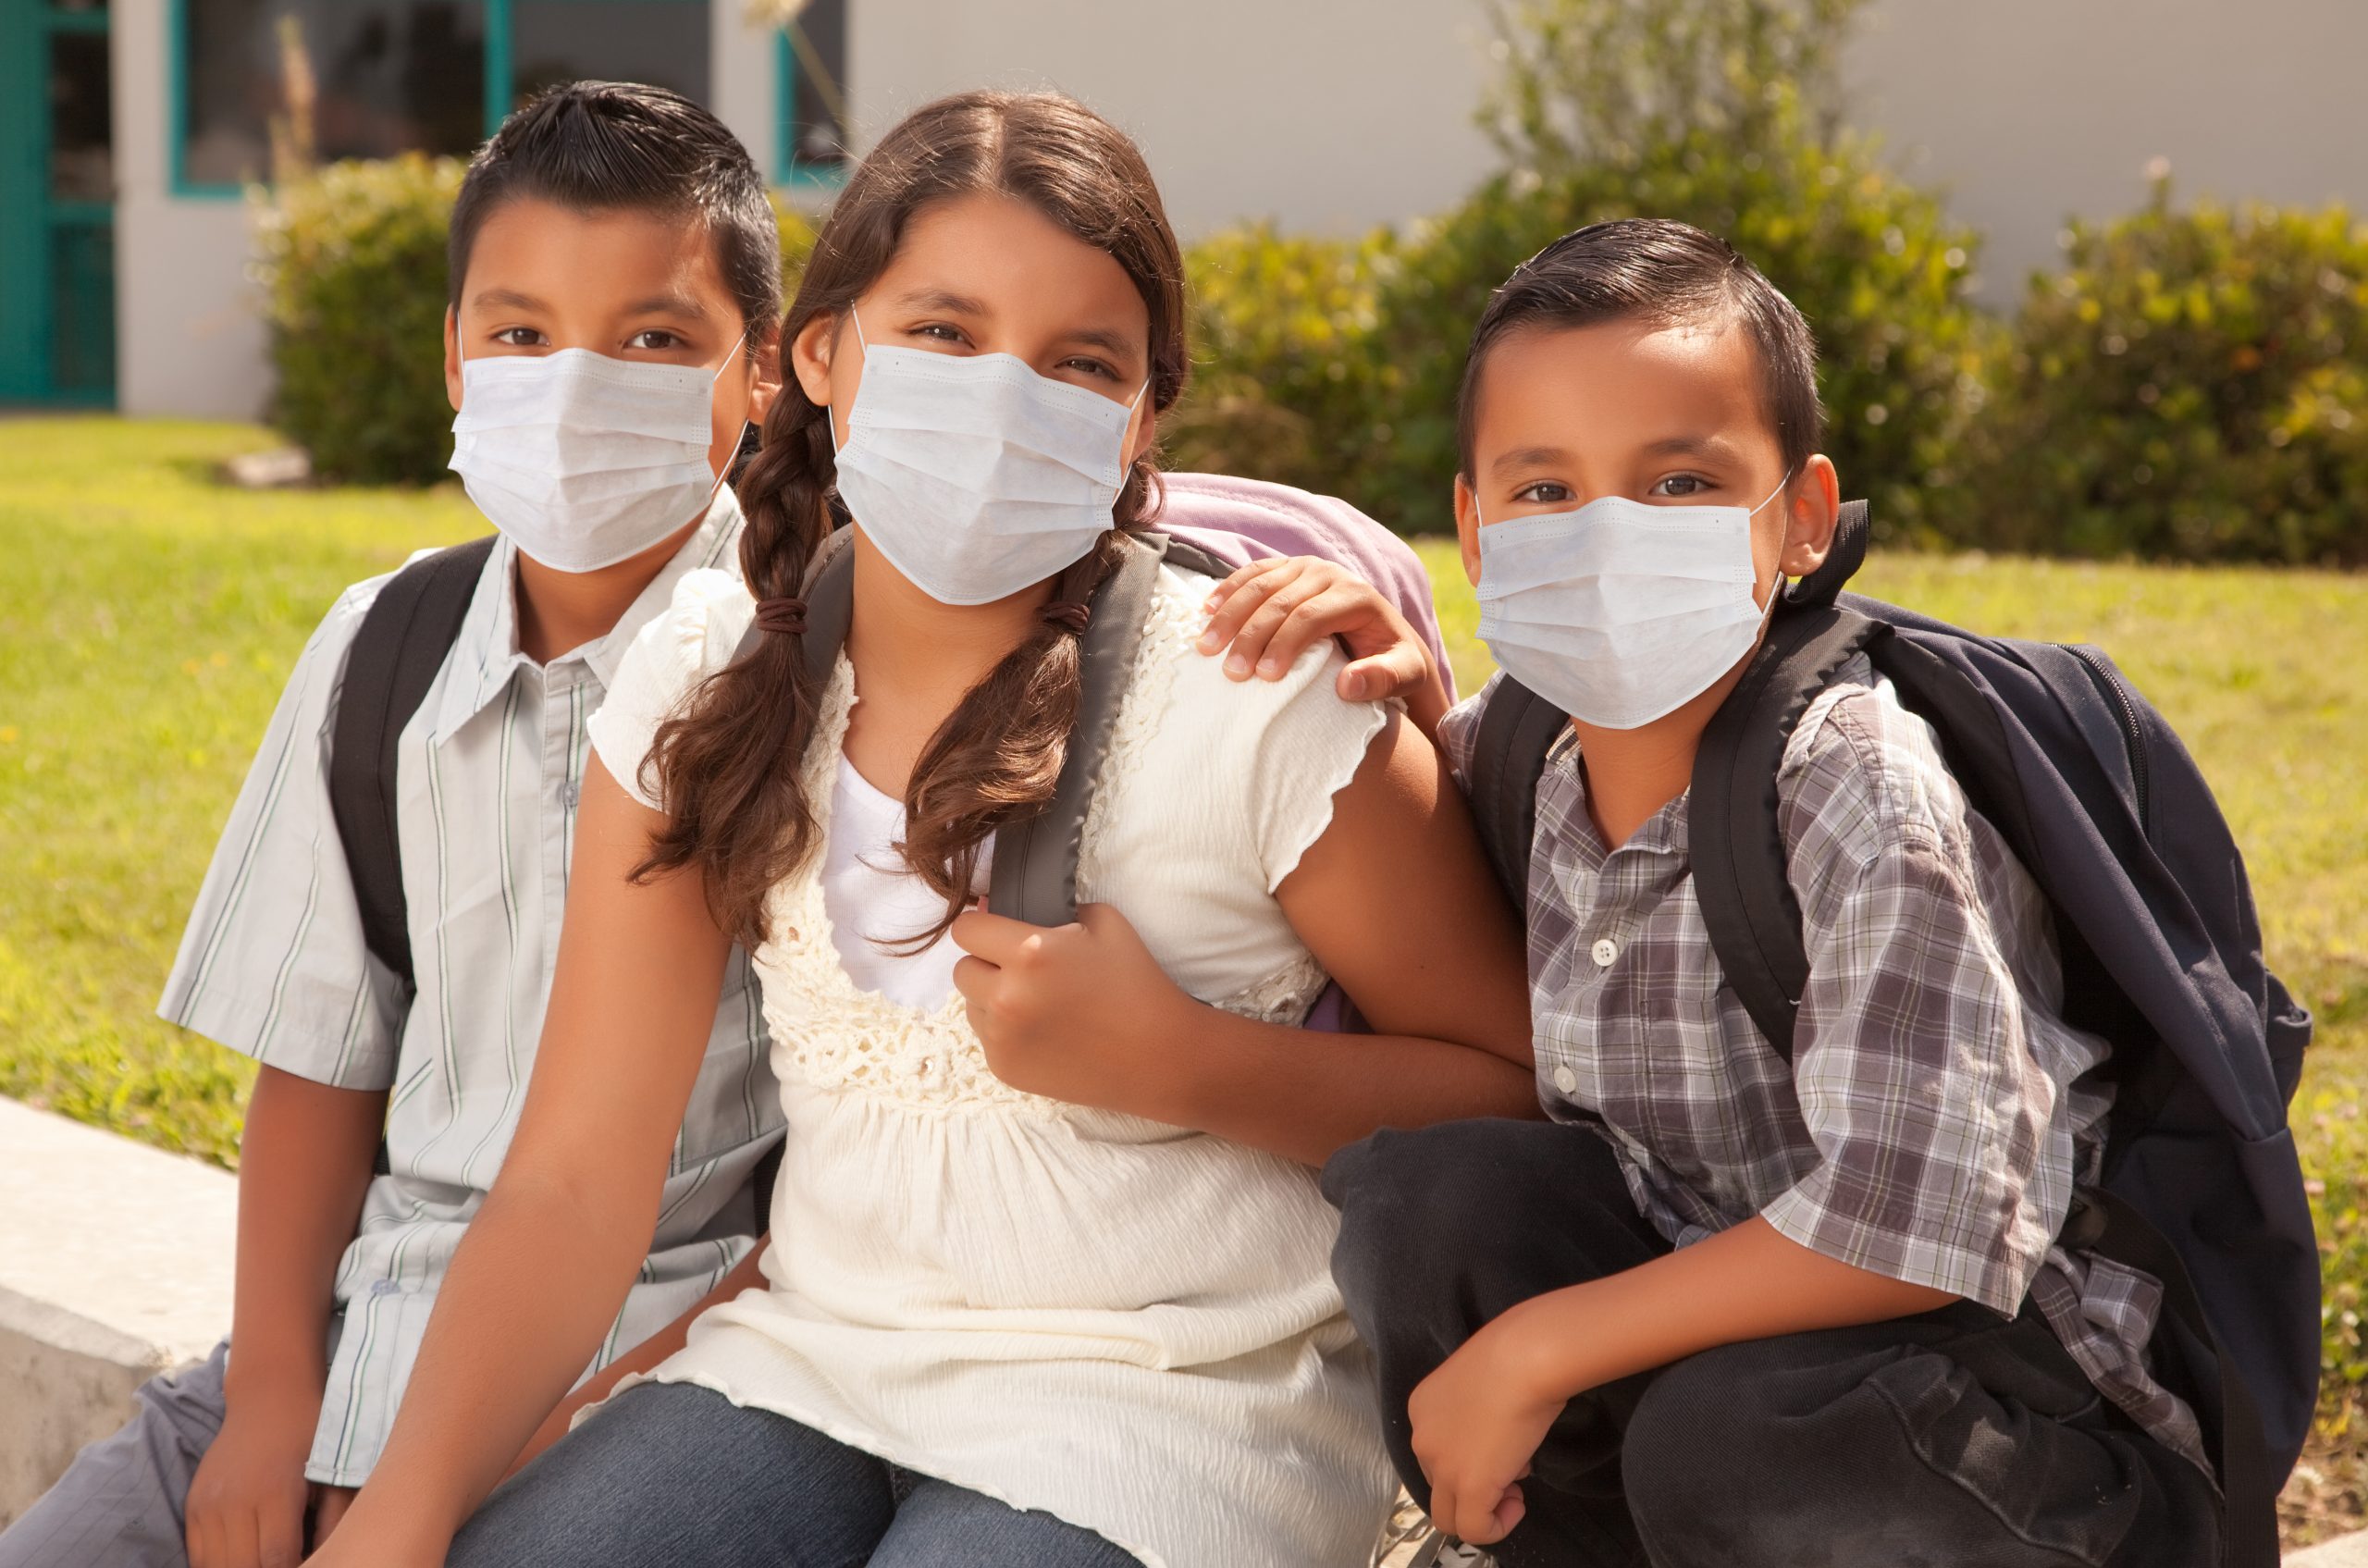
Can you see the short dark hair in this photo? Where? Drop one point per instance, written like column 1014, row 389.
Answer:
column 1658, row 270
column 597, row 146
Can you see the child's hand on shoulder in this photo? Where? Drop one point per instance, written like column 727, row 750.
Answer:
column 1271, row 611
column 1477, row 1421
column 1077, row 1012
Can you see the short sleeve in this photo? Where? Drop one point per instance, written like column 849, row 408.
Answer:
column 693, row 638
column 1943, row 1158
column 1459, row 734
column 273, row 963
column 1310, row 747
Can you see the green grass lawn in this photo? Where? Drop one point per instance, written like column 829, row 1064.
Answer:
column 148, row 616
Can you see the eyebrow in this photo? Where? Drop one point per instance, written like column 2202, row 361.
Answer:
column 1529, row 457
column 1691, row 445
column 944, row 299
column 510, row 297
column 1108, row 338
column 668, row 304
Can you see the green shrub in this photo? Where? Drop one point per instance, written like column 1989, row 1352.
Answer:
column 2193, row 386
column 351, row 259
column 1279, row 337
column 1352, row 378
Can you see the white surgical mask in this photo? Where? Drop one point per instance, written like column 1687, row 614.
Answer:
column 976, row 477
column 1620, row 612
column 585, row 461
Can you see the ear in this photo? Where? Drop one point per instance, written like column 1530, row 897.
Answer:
column 810, row 353
column 1146, row 432
column 1813, row 504
column 768, row 383
column 1467, row 527
column 452, row 359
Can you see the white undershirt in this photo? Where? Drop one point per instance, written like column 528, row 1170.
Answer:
column 870, row 897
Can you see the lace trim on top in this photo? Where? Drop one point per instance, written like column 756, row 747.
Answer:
column 832, row 1034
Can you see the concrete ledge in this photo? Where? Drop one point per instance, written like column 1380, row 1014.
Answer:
column 115, row 1264
column 2344, row 1552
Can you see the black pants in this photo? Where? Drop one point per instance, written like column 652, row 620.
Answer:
column 1950, row 1439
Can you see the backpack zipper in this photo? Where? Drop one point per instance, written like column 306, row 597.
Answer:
column 2125, row 716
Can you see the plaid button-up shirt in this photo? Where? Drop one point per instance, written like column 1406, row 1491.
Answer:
column 1938, row 1110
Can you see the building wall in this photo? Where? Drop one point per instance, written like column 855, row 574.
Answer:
column 2028, row 111
column 1326, row 115
column 190, row 340
column 187, row 337
column 1332, row 115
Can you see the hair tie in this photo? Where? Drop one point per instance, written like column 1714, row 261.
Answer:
column 788, row 615
column 1070, row 615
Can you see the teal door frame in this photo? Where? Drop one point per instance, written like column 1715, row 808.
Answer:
column 42, row 358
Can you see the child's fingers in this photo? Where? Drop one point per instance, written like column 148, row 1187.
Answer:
column 1239, row 597
column 1279, row 629
column 1396, row 671
column 1509, row 1511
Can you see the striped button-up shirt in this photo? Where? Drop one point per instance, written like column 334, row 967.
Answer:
column 274, row 965
column 1938, row 1110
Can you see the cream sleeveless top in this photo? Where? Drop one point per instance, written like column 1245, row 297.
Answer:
column 1124, row 1324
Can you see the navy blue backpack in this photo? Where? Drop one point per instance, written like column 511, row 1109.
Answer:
column 2161, row 951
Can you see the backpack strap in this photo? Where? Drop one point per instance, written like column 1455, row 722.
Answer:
column 1034, row 877
column 1732, row 835
column 402, row 641
column 1518, row 729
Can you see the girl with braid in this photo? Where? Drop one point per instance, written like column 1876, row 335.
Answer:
column 1048, row 1279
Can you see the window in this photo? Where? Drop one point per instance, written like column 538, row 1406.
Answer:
column 393, row 76
column 388, row 76
column 664, row 42
column 813, row 109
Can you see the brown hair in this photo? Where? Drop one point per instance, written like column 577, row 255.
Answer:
column 1668, row 273
column 730, row 771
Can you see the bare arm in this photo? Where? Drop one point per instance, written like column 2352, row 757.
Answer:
column 1481, row 1415
column 304, row 1167
column 548, row 1261
column 745, row 1275
column 1394, row 903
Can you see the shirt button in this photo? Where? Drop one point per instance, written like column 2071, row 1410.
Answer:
column 1566, row 1080
column 572, row 792
column 1604, row 951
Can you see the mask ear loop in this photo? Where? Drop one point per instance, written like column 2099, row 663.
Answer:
column 829, row 415
column 1776, row 588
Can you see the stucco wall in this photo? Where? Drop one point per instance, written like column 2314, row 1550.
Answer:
column 2030, row 110
column 188, row 339
column 1335, row 115
column 1329, row 115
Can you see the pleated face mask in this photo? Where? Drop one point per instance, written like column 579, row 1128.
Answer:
column 585, row 461
column 976, row 477
column 1620, row 612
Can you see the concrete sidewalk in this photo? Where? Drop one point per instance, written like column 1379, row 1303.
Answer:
column 115, row 1265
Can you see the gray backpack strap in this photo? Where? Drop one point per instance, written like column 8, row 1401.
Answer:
column 1035, row 869
column 830, row 609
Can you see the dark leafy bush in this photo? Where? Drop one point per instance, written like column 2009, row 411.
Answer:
column 1281, row 339
column 351, row 260
column 2193, row 386
column 1359, row 370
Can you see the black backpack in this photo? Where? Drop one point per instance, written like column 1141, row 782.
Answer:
column 2161, row 953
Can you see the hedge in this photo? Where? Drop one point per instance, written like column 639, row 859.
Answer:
column 2193, row 386
column 350, row 257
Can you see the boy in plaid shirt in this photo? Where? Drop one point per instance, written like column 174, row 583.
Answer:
column 1720, row 1310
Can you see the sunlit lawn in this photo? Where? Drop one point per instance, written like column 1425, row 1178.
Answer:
column 148, row 616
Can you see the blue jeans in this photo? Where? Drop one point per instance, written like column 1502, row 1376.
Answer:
column 678, row 1474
